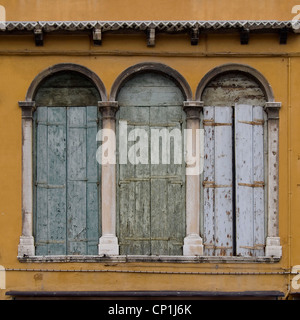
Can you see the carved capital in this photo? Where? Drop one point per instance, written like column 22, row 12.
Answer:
column 28, row 107
column 193, row 109
column 272, row 109
column 108, row 109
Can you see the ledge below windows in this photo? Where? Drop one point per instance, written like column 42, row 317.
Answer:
column 140, row 258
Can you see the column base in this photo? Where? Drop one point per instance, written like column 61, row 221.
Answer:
column 273, row 247
column 26, row 246
column 108, row 245
column 193, row 245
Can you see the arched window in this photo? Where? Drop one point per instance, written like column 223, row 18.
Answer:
column 237, row 207
column 151, row 182
column 66, row 196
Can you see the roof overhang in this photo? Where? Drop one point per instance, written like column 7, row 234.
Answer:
column 193, row 28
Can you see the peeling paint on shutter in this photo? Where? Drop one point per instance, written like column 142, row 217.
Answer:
column 93, row 191
column 217, row 183
column 223, row 181
column 151, row 196
column 76, row 194
column 51, row 181
column 259, row 179
column 249, row 180
column 209, row 180
column 67, row 181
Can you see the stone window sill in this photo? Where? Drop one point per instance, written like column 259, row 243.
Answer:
column 137, row 258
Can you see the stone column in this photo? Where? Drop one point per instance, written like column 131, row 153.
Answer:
column 108, row 243
column 273, row 247
column 193, row 244
column 26, row 246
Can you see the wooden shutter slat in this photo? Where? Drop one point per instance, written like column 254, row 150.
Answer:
column 244, row 175
column 258, row 175
column 57, row 177
column 93, row 211
column 209, row 181
column 76, row 197
column 41, row 194
column 223, row 177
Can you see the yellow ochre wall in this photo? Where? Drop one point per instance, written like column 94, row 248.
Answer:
column 21, row 61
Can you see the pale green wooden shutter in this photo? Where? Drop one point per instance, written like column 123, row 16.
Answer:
column 51, row 183
column 151, row 197
column 67, row 181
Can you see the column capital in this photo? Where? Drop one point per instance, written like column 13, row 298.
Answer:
column 272, row 109
column 108, row 109
column 28, row 107
column 193, row 109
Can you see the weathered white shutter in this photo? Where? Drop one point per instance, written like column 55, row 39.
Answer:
column 218, row 181
column 223, row 180
column 259, row 180
column 249, row 159
column 208, row 180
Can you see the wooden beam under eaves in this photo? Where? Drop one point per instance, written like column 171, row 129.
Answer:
column 283, row 36
column 195, row 33
column 38, row 37
column 244, row 36
column 151, row 37
column 97, row 37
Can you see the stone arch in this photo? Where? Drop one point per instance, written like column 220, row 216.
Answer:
column 239, row 68
column 68, row 67
column 151, row 67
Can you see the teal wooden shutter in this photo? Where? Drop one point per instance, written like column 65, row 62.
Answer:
column 67, row 181
column 51, row 181
column 249, row 147
column 151, row 197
